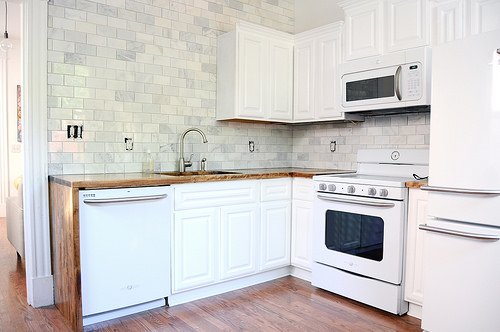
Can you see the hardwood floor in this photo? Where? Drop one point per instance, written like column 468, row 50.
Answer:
column 286, row 304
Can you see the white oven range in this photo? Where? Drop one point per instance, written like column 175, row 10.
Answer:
column 359, row 227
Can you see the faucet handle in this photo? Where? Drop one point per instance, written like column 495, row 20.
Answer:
column 188, row 163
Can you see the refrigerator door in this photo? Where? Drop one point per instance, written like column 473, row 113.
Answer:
column 465, row 129
column 461, row 278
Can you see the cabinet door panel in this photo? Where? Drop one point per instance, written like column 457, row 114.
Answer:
column 417, row 214
column 275, row 234
column 281, row 80
column 302, row 212
column 363, row 36
column 484, row 16
column 252, row 70
column 408, row 24
column 239, row 249
column 327, row 83
column 447, row 22
column 195, row 249
column 304, row 81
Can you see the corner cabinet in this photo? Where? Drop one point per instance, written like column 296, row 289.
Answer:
column 302, row 220
column 318, row 53
column 254, row 74
column 417, row 214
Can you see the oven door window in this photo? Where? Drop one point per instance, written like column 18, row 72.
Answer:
column 355, row 234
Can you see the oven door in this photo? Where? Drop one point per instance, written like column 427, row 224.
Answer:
column 364, row 236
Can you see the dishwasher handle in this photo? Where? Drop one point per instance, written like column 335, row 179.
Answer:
column 102, row 201
column 481, row 237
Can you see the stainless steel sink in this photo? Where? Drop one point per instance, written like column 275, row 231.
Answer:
column 196, row 173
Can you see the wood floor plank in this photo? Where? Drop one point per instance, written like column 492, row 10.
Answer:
column 286, row 304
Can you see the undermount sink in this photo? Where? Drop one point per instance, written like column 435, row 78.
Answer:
column 196, row 173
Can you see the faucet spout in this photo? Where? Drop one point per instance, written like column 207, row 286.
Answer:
column 183, row 164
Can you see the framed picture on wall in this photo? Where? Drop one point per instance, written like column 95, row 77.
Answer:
column 19, row 123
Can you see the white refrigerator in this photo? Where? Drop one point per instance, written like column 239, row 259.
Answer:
column 461, row 241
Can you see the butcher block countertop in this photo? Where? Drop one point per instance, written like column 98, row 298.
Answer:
column 121, row 180
column 415, row 184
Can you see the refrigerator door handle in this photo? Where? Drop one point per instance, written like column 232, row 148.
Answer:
column 482, row 192
column 482, row 237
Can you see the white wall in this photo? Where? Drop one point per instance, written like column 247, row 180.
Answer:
column 310, row 14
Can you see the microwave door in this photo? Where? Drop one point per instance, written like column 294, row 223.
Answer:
column 378, row 86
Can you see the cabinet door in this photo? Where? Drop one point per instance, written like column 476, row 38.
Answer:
column 484, row 16
column 417, row 214
column 447, row 21
column 302, row 212
column 195, row 250
column 280, row 80
column 327, row 83
column 239, row 246
column 275, row 234
column 408, row 24
column 252, row 75
column 363, row 30
column 304, row 81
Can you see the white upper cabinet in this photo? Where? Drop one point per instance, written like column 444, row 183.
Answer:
column 374, row 27
column 407, row 24
column 364, row 26
column 456, row 19
column 254, row 74
column 318, row 53
column 483, row 15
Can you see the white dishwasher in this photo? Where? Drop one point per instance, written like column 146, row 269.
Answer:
column 124, row 250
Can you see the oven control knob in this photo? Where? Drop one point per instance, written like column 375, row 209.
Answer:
column 351, row 189
column 372, row 191
column 383, row 192
column 322, row 186
column 332, row 187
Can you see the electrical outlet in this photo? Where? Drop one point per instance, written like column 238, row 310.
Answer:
column 333, row 146
column 251, row 146
column 74, row 131
column 129, row 144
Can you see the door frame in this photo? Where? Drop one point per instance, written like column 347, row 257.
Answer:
column 39, row 281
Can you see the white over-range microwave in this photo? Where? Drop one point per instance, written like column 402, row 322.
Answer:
column 399, row 80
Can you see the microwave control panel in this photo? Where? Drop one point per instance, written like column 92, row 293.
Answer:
column 414, row 81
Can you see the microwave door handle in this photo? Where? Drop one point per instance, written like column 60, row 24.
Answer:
column 397, row 83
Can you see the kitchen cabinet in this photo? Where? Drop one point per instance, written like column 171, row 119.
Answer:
column 209, row 219
column 417, row 214
column 302, row 219
column 317, row 91
column 375, row 27
column 227, row 230
column 275, row 223
column 456, row 19
column 195, row 248
column 254, row 74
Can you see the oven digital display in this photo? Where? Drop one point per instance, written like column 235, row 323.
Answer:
column 355, row 234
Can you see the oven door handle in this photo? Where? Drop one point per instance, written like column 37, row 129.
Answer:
column 355, row 201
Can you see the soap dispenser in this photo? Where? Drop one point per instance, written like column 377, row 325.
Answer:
column 148, row 165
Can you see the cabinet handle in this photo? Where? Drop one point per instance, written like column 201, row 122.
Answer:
column 354, row 201
column 462, row 191
column 482, row 237
column 98, row 201
column 397, row 83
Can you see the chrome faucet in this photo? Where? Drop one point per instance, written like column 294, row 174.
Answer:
column 182, row 163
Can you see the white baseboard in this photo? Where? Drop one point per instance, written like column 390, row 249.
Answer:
column 415, row 310
column 301, row 273
column 43, row 291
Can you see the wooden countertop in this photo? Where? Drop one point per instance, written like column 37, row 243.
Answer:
column 415, row 184
column 121, row 180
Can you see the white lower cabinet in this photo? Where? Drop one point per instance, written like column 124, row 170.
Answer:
column 275, row 234
column 240, row 228
column 302, row 218
column 238, row 240
column 417, row 214
column 195, row 248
